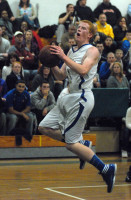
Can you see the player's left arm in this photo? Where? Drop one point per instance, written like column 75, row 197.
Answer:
column 90, row 58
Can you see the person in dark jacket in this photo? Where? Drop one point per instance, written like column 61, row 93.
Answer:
column 15, row 75
column 84, row 12
column 120, row 30
column 4, row 5
column 43, row 75
column 112, row 13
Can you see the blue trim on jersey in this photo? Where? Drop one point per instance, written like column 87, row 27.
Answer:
column 82, row 95
column 78, row 48
column 76, row 119
column 82, row 81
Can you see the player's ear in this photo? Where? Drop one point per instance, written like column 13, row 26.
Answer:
column 90, row 35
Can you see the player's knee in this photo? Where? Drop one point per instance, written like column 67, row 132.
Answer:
column 69, row 146
column 42, row 129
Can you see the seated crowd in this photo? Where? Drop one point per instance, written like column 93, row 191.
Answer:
column 28, row 89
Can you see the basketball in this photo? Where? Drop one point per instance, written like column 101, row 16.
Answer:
column 48, row 59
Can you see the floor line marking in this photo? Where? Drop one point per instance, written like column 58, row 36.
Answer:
column 24, row 189
column 87, row 186
column 64, row 194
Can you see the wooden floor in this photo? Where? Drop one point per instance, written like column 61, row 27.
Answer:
column 60, row 179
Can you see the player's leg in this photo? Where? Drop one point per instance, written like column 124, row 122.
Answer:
column 49, row 126
column 88, row 144
column 107, row 171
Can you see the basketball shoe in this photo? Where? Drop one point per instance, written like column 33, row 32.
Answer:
column 108, row 174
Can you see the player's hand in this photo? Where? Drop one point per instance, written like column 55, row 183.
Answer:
column 57, row 50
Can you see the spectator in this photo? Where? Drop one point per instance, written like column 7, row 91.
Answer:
column 100, row 47
column 8, row 67
column 26, row 12
column 112, row 13
column 66, row 36
column 4, row 33
column 4, row 47
column 5, row 6
column 3, row 88
column 42, row 100
column 127, row 42
column 71, row 42
column 24, row 26
column 2, row 118
column 44, row 74
column 119, row 58
column 103, row 27
column 120, row 31
column 109, row 46
column 84, row 12
column 64, row 20
column 4, row 21
column 117, row 79
column 15, row 75
column 18, row 108
column 98, row 37
column 32, row 47
column 25, row 56
column 105, row 69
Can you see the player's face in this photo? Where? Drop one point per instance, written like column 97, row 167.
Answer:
column 20, row 87
column 83, row 34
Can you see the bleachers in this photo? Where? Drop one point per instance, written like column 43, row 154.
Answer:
column 40, row 146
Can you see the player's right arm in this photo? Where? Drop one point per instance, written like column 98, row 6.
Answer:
column 59, row 73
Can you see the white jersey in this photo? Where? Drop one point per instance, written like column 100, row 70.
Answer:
column 77, row 82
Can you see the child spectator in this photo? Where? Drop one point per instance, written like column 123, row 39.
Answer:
column 127, row 42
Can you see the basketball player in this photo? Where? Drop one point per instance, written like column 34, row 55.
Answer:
column 76, row 102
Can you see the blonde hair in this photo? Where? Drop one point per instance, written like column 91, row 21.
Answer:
column 16, row 62
column 121, row 69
